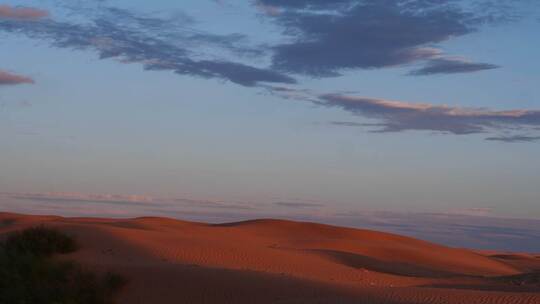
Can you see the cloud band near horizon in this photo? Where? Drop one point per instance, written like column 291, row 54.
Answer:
column 478, row 227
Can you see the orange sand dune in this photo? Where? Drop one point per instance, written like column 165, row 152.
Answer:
column 274, row 261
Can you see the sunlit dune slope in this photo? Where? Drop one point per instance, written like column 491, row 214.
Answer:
column 276, row 261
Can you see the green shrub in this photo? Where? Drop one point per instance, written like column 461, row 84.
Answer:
column 39, row 241
column 29, row 276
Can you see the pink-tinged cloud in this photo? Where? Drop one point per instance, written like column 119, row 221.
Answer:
column 7, row 78
column 396, row 116
column 22, row 13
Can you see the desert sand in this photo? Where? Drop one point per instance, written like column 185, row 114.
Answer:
column 276, row 261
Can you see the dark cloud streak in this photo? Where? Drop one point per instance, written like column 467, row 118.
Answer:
column 515, row 139
column 332, row 36
column 451, row 66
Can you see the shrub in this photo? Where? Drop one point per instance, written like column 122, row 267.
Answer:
column 28, row 275
column 39, row 241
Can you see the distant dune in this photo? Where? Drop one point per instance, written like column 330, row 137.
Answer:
column 275, row 261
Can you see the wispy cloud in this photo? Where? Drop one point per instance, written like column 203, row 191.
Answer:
column 474, row 227
column 386, row 116
column 156, row 43
column 305, row 4
column 298, row 205
column 473, row 211
column 267, row 9
column 397, row 116
column 132, row 200
column 327, row 37
column 82, row 197
column 7, row 78
column 22, row 13
column 324, row 38
column 211, row 204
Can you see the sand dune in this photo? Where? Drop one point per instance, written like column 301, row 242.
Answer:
column 274, row 261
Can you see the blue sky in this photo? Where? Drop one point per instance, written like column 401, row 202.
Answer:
column 298, row 108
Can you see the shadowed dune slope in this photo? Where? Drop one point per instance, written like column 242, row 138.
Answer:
column 276, row 261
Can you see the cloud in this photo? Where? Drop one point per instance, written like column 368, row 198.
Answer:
column 475, row 227
column 325, row 38
column 298, row 205
column 450, row 66
column 329, row 37
column 474, row 211
column 288, row 92
column 156, row 43
column 515, row 139
column 303, row 4
column 208, row 204
column 7, row 78
column 355, row 124
column 125, row 199
column 397, row 116
column 22, row 13
column 267, row 9
column 388, row 116
column 82, row 197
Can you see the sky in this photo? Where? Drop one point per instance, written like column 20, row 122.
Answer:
column 420, row 117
